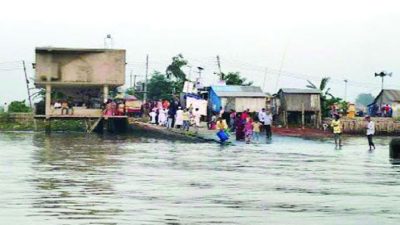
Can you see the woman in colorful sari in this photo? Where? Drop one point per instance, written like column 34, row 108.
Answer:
column 239, row 122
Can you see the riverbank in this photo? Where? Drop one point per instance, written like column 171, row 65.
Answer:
column 26, row 122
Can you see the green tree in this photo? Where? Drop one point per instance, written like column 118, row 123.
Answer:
column 160, row 87
column 327, row 99
column 175, row 73
column 364, row 99
column 18, row 107
column 234, row 78
column 130, row 91
column 175, row 68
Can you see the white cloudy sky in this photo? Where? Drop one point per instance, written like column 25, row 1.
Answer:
column 305, row 39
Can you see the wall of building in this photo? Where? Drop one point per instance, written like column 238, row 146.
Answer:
column 254, row 104
column 97, row 67
column 358, row 125
column 293, row 102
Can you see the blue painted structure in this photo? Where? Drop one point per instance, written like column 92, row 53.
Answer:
column 232, row 91
column 214, row 100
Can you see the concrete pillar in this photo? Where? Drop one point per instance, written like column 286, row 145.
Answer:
column 395, row 148
column 105, row 92
column 48, row 101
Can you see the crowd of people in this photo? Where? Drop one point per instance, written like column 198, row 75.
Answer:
column 114, row 107
column 385, row 110
column 247, row 126
column 173, row 115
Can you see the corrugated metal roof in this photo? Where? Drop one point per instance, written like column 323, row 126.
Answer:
column 300, row 91
column 238, row 91
column 389, row 95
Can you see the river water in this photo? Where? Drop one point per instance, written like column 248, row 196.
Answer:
column 79, row 179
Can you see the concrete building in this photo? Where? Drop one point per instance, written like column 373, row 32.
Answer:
column 83, row 77
column 238, row 98
column 298, row 106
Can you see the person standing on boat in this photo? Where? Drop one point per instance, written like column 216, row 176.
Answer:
column 153, row 116
column 370, row 132
column 162, row 117
column 179, row 117
column 196, row 116
column 186, row 119
column 336, row 125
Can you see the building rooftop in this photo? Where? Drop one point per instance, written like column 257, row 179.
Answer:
column 238, row 91
column 391, row 95
column 300, row 91
column 57, row 49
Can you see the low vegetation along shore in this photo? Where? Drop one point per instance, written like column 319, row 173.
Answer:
column 25, row 122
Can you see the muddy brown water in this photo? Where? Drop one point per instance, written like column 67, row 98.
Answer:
column 136, row 179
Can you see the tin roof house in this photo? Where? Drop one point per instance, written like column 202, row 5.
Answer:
column 386, row 96
column 238, row 98
column 83, row 77
column 296, row 106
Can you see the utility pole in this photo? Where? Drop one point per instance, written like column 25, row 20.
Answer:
column 221, row 75
column 130, row 81
column 383, row 74
column 200, row 69
column 134, row 81
column 281, row 66
column 345, row 89
column 27, row 84
column 265, row 78
column 145, row 79
column 190, row 72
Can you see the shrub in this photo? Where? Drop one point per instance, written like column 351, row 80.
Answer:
column 18, row 107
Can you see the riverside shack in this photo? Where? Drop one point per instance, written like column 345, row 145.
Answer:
column 82, row 77
column 235, row 97
column 299, row 107
column 390, row 97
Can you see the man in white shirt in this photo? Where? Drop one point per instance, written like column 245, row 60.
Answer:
column 370, row 132
column 267, row 119
column 5, row 107
column 261, row 115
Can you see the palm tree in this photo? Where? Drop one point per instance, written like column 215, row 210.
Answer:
column 322, row 86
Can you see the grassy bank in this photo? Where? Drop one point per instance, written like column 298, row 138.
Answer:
column 8, row 123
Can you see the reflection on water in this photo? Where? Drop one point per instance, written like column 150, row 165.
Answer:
column 135, row 179
column 78, row 187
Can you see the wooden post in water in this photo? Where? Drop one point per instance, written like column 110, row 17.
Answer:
column 302, row 115
column 47, row 125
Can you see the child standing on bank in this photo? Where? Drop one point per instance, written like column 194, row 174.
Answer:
column 256, row 130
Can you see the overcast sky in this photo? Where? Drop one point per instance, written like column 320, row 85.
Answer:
column 303, row 39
